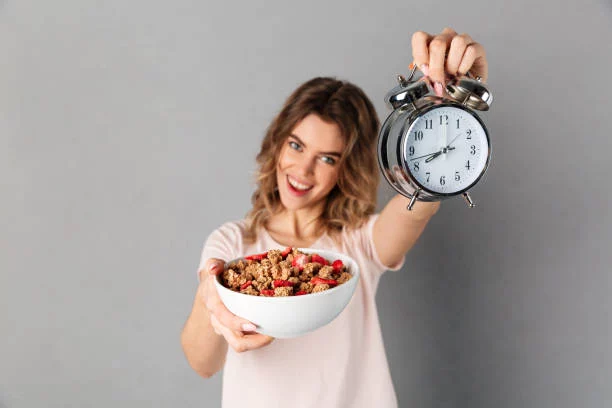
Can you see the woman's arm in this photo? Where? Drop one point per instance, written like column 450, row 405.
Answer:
column 397, row 229
column 205, row 350
column 211, row 327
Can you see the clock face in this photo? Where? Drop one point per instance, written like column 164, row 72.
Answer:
column 446, row 150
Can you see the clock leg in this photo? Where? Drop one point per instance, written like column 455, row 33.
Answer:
column 413, row 200
column 468, row 199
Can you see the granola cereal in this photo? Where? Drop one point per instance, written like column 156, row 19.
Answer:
column 279, row 273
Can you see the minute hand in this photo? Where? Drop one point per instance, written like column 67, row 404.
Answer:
column 453, row 141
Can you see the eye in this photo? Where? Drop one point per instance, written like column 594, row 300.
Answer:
column 295, row 146
column 329, row 160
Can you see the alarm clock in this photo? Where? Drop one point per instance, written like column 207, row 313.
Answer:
column 432, row 148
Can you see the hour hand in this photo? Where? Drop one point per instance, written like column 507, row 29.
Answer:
column 425, row 155
column 436, row 154
column 433, row 156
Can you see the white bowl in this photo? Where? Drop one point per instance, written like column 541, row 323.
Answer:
column 293, row 316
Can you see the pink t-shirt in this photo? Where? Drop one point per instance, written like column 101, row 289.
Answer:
column 342, row 364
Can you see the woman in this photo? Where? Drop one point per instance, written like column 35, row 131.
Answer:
column 317, row 182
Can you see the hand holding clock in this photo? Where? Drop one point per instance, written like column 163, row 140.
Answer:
column 448, row 54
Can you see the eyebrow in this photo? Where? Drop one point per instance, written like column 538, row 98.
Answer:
column 325, row 153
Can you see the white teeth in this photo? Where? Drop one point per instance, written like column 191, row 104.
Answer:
column 297, row 185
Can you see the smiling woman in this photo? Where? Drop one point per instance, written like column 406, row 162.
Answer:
column 316, row 188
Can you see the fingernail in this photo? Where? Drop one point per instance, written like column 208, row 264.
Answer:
column 248, row 327
column 425, row 69
column 213, row 268
column 438, row 88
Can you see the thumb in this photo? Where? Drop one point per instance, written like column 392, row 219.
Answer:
column 214, row 266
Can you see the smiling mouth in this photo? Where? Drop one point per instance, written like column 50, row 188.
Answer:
column 297, row 185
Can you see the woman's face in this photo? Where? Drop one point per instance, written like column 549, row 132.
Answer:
column 308, row 164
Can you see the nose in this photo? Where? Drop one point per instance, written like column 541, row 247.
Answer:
column 307, row 165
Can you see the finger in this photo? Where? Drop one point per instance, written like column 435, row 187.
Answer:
column 212, row 266
column 458, row 45
column 216, row 307
column 474, row 60
column 241, row 342
column 437, row 54
column 420, row 50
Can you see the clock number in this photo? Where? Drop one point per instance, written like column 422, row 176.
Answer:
column 428, row 174
column 457, row 123
column 428, row 123
column 473, row 149
column 418, row 135
column 442, row 180
column 469, row 134
column 411, row 151
column 467, row 166
column 416, row 166
column 445, row 119
column 457, row 176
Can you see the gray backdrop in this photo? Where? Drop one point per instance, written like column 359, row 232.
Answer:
column 129, row 131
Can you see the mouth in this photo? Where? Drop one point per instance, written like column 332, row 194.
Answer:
column 296, row 187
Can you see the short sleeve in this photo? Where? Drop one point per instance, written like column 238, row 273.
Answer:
column 223, row 243
column 363, row 238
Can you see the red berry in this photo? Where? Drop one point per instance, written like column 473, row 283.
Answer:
column 300, row 260
column 319, row 259
column 256, row 257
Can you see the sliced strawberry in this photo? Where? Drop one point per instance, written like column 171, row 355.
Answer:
column 300, row 260
column 267, row 292
column 317, row 280
column 286, row 252
column 337, row 265
column 246, row 285
column 319, row 259
column 301, row 292
column 279, row 283
column 256, row 257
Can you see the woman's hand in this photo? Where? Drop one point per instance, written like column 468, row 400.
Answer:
column 446, row 55
column 239, row 333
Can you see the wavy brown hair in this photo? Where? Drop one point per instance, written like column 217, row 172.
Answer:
column 353, row 198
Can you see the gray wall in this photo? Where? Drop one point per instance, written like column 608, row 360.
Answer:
column 129, row 131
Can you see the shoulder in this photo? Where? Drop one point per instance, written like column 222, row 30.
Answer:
column 359, row 236
column 225, row 241
column 364, row 228
column 234, row 229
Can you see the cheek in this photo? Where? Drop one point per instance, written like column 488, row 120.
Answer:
column 283, row 160
column 331, row 178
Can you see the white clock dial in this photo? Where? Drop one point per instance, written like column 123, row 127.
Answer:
column 446, row 150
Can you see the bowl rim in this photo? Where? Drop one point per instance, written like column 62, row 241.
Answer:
column 292, row 298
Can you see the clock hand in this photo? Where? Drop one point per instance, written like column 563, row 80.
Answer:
column 445, row 133
column 444, row 150
column 425, row 155
column 436, row 154
column 453, row 141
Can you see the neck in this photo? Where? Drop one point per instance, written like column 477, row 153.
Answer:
column 299, row 224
